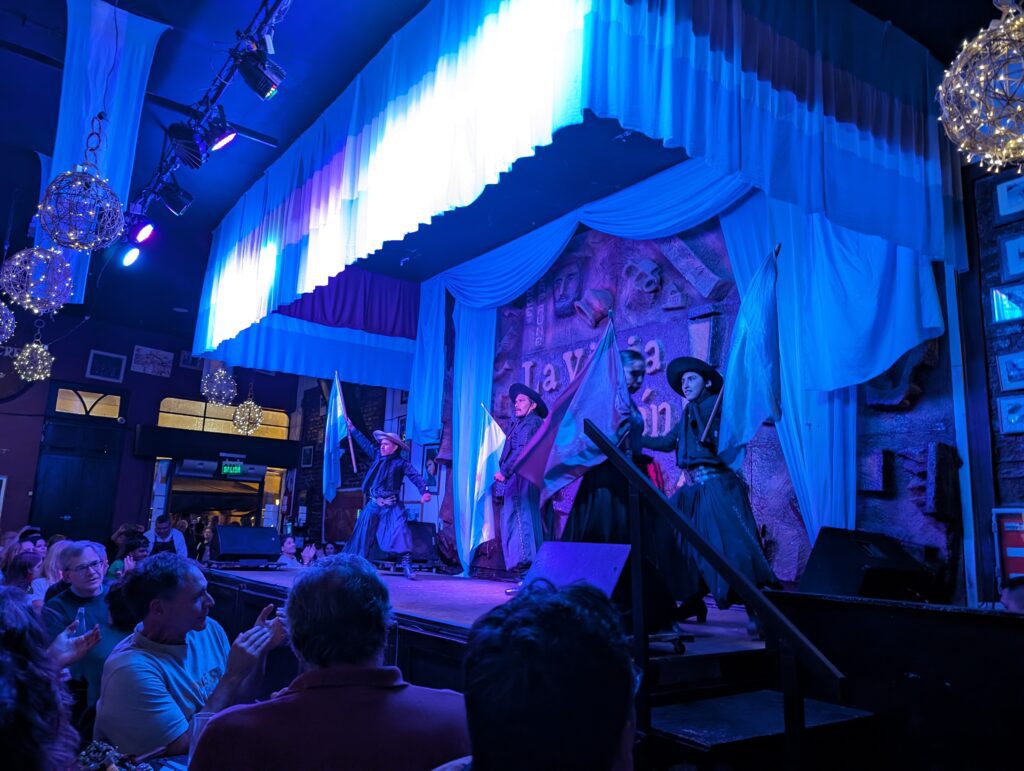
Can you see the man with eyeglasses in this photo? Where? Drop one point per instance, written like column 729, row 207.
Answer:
column 84, row 565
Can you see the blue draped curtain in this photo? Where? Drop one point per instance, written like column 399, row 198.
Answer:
column 106, row 66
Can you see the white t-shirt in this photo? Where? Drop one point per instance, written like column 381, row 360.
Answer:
column 150, row 691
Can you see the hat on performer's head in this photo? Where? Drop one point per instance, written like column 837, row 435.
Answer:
column 395, row 438
column 519, row 388
column 679, row 367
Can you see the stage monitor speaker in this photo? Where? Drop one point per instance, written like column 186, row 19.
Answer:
column 606, row 566
column 563, row 563
column 424, row 542
column 856, row 563
column 245, row 544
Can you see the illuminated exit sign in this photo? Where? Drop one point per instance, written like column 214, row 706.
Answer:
column 231, row 467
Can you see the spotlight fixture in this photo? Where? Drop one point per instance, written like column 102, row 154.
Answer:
column 130, row 256
column 140, row 230
column 261, row 73
column 219, row 133
column 174, row 197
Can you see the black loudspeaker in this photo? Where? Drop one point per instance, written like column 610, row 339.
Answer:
column 424, row 543
column 563, row 563
column 606, row 566
column 246, row 546
column 856, row 563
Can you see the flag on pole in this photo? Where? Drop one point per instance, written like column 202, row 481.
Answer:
column 334, row 432
column 560, row 452
column 488, row 464
column 753, row 390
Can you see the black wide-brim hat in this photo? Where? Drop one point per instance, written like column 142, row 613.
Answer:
column 679, row 367
column 519, row 388
column 395, row 439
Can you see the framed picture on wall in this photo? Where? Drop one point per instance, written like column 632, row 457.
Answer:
column 1011, row 414
column 105, row 366
column 1011, row 256
column 1011, row 371
column 401, row 426
column 1009, row 200
column 187, row 361
column 152, row 361
column 1008, row 525
column 1007, row 303
column 430, row 471
column 307, row 456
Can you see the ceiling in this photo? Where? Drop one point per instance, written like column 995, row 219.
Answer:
column 322, row 44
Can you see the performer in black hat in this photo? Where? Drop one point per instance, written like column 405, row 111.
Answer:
column 383, row 522
column 520, row 512
column 712, row 495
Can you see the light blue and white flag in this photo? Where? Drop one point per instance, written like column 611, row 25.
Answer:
column 488, row 464
column 334, row 432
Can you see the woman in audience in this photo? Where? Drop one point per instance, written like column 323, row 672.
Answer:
column 134, row 549
column 288, row 553
column 202, row 552
column 22, row 571
column 35, row 724
column 51, row 575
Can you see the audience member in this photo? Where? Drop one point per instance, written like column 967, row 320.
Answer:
column 134, row 549
column 51, row 575
column 1012, row 595
column 338, row 613
column 120, row 614
column 55, row 538
column 40, row 545
column 23, row 569
column 35, row 723
column 550, row 684
column 163, row 538
column 330, row 549
column 117, row 539
column 83, row 564
column 177, row 662
column 288, row 551
column 203, row 553
column 9, row 537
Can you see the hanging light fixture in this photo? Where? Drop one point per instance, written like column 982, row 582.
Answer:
column 7, row 323
column 219, row 387
column 248, row 416
column 37, row 279
column 34, row 362
column 982, row 93
column 79, row 210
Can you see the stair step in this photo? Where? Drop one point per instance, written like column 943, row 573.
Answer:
column 723, row 722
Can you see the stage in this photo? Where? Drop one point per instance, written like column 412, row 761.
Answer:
column 435, row 612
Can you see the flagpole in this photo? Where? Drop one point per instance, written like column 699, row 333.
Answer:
column 348, row 433
column 711, row 418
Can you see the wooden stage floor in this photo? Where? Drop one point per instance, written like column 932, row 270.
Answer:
column 454, row 603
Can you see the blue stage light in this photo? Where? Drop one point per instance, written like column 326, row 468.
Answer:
column 130, row 256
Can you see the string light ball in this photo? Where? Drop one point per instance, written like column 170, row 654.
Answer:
column 7, row 323
column 81, row 211
column 982, row 94
column 219, row 387
column 248, row 417
column 37, row 279
column 33, row 362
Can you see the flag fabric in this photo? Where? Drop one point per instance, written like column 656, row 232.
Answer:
column 753, row 390
column 489, row 459
column 488, row 463
column 560, row 452
column 334, row 432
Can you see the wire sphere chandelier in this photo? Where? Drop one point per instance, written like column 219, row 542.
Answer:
column 219, row 387
column 982, row 93
column 248, row 416
column 79, row 210
column 34, row 362
column 37, row 279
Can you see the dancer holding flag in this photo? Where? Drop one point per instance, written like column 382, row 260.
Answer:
column 383, row 523
column 520, row 511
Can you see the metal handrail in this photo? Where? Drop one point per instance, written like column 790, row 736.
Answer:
column 774, row 622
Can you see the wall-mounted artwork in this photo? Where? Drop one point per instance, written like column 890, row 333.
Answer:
column 1007, row 303
column 152, row 361
column 1011, row 257
column 1011, row 414
column 187, row 361
column 307, row 456
column 1011, row 371
column 1010, row 200
column 105, row 366
column 430, row 472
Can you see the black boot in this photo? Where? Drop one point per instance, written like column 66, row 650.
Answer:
column 406, row 564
